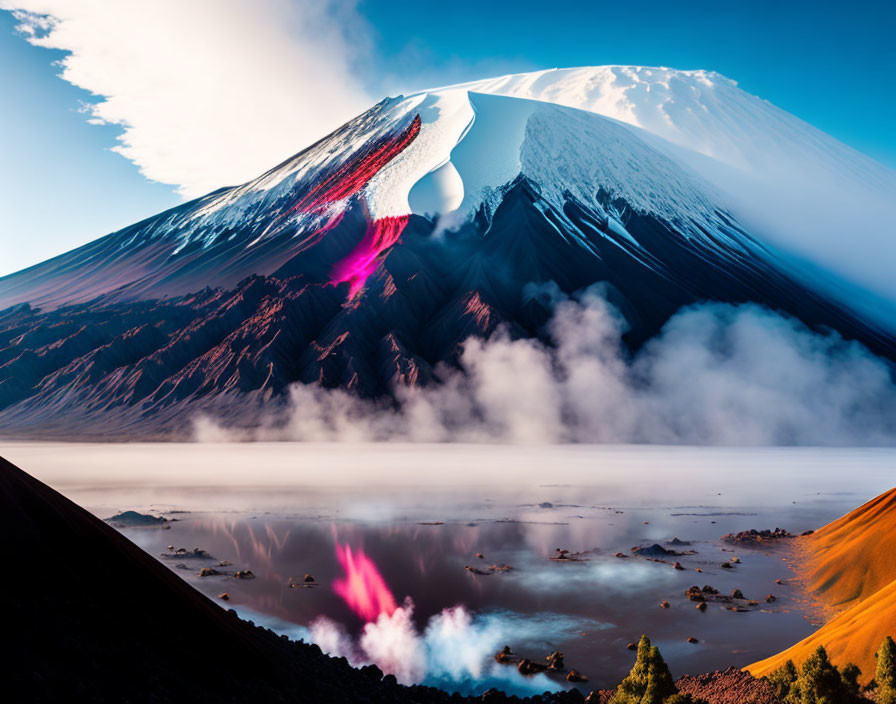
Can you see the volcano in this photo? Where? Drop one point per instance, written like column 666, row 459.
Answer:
column 365, row 261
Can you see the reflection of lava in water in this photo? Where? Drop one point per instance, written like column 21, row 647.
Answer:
column 345, row 182
column 363, row 587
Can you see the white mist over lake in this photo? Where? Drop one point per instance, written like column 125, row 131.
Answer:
column 637, row 474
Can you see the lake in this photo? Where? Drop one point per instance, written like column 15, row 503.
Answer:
column 407, row 522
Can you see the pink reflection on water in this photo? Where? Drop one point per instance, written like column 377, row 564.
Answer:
column 363, row 587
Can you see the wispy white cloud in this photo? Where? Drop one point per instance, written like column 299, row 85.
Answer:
column 209, row 93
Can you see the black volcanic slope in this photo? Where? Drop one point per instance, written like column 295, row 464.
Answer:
column 90, row 617
column 128, row 366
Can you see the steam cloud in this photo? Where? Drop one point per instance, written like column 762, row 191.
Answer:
column 716, row 374
column 454, row 651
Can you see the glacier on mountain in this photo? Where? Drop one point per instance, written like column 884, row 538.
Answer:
column 825, row 205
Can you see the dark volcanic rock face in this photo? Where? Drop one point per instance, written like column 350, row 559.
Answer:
column 126, row 361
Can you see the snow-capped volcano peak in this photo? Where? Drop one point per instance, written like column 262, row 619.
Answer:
column 366, row 260
column 655, row 99
column 699, row 110
column 797, row 189
column 687, row 147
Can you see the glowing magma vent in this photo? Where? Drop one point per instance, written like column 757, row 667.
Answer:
column 363, row 587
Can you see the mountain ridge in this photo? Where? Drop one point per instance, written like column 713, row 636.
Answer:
column 338, row 267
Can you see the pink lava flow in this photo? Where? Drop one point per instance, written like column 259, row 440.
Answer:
column 363, row 587
column 345, row 182
column 362, row 261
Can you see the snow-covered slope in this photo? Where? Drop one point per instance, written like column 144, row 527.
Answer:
column 700, row 110
column 446, row 153
column 795, row 187
column 655, row 137
column 367, row 259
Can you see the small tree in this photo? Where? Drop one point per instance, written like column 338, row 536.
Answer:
column 649, row 681
column 885, row 675
column 849, row 678
column 783, row 679
column 820, row 682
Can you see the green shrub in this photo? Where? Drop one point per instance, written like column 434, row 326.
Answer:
column 885, row 675
column 649, row 681
column 820, row 682
column 783, row 679
column 849, row 677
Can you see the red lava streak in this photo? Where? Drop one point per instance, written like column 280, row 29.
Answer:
column 363, row 587
column 354, row 174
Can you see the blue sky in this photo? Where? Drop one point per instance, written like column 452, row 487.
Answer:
column 59, row 183
column 832, row 64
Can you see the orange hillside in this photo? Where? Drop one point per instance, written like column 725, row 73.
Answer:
column 850, row 566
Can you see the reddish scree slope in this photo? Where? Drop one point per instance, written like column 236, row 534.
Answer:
column 849, row 566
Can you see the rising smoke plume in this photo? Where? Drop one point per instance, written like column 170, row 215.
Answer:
column 715, row 374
